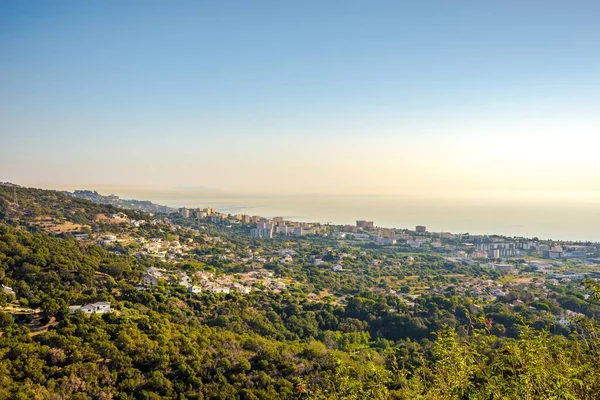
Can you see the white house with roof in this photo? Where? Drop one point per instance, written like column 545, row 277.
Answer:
column 241, row 288
column 219, row 289
column 8, row 291
column 99, row 307
column 194, row 289
column 184, row 280
column 244, row 289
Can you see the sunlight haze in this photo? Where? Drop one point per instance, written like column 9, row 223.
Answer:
column 468, row 99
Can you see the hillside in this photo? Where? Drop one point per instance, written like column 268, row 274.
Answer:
column 41, row 208
column 139, row 205
column 300, row 331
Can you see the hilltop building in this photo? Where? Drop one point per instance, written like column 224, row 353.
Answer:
column 362, row 224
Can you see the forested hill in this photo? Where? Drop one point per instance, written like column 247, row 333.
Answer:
column 139, row 205
column 279, row 342
column 54, row 211
column 29, row 204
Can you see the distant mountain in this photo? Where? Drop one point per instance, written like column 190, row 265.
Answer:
column 139, row 205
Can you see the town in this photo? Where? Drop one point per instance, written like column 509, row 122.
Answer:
column 203, row 250
column 246, row 273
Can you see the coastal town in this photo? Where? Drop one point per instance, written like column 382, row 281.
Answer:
column 204, row 251
column 205, row 264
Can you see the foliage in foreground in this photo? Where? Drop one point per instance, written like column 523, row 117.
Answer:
column 165, row 343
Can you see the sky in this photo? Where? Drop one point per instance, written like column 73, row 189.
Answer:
column 487, row 98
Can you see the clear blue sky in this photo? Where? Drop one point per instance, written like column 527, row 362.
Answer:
column 266, row 95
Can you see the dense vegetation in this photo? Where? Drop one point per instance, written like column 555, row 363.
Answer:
column 166, row 343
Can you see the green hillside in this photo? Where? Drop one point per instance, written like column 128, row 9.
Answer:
column 325, row 335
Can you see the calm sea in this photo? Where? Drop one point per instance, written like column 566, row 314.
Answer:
column 558, row 220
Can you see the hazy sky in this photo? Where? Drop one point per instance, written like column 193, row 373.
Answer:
column 384, row 97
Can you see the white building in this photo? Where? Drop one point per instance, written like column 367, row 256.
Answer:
column 242, row 289
column 8, row 291
column 183, row 279
column 194, row 289
column 386, row 241
column 262, row 233
column 100, row 307
column 219, row 289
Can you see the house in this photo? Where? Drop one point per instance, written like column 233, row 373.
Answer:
column 242, row 289
column 284, row 253
column 553, row 253
column 219, row 289
column 466, row 261
column 474, row 308
column 506, row 268
column 312, row 296
column 150, row 280
column 194, row 289
column 184, row 280
column 8, row 291
column 286, row 260
column 100, row 307
column 108, row 239
column 265, row 273
column 337, row 268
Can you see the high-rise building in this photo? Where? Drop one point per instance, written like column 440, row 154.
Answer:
column 362, row 224
column 262, row 233
column 350, row 228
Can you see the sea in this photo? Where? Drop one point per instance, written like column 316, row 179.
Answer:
column 567, row 218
